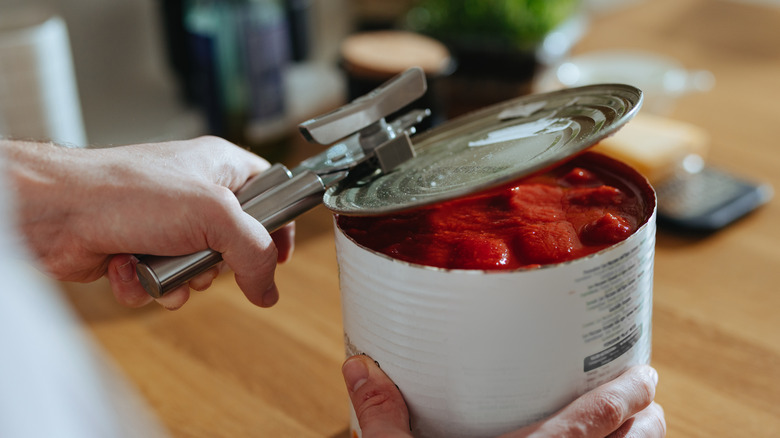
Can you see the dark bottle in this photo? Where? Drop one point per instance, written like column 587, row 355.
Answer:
column 240, row 52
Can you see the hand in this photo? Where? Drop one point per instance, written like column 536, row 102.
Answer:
column 622, row 408
column 84, row 212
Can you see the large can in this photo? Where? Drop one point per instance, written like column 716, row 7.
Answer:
column 478, row 353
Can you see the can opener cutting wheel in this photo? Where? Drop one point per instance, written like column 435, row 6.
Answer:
column 363, row 143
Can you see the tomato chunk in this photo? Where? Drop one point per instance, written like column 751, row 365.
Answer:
column 560, row 215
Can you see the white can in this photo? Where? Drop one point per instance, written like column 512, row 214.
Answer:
column 481, row 353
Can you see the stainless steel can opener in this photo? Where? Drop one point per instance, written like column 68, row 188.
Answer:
column 363, row 142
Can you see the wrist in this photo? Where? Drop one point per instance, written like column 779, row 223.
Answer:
column 36, row 173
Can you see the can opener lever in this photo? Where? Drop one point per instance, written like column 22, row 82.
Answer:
column 362, row 142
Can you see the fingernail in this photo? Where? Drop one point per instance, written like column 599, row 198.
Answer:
column 355, row 373
column 271, row 296
column 126, row 272
column 168, row 302
column 174, row 299
column 653, row 375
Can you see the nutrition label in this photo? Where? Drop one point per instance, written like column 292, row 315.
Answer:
column 617, row 296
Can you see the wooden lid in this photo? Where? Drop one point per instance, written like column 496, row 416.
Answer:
column 382, row 54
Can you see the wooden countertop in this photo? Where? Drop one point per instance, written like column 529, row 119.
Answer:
column 220, row 367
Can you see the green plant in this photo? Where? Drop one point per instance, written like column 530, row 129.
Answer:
column 519, row 24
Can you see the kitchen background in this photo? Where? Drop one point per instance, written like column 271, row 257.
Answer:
column 133, row 83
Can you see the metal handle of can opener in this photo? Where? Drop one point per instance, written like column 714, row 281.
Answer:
column 276, row 197
column 273, row 208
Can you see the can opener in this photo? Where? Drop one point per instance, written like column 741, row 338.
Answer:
column 363, row 142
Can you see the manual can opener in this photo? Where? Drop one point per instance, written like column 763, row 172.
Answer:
column 363, row 142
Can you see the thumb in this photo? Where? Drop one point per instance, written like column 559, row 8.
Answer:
column 378, row 403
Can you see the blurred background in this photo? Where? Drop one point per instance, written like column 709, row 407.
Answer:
column 250, row 70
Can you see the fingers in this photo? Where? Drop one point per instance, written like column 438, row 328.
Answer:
column 209, row 215
column 606, row 408
column 378, row 403
column 175, row 298
column 284, row 239
column 203, row 280
column 124, row 281
column 603, row 410
column 128, row 291
column 254, row 265
column 248, row 250
column 648, row 423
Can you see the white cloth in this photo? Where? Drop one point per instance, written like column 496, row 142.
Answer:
column 54, row 382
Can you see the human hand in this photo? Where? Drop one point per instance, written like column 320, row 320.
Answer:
column 622, row 408
column 84, row 212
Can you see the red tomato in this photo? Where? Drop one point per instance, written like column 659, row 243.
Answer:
column 560, row 215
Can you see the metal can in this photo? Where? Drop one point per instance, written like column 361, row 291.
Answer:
column 480, row 353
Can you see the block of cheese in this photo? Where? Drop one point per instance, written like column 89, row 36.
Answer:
column 655, row 146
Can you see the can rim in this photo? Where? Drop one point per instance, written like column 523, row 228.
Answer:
column 640, row 182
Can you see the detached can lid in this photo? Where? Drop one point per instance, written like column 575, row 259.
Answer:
column 490, row 147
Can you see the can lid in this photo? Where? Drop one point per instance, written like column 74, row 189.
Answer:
column 490, row 147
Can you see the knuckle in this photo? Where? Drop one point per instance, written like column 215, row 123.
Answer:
column 610, row 409
column 374, row 399
column 271, row 255
column 219, row 205
column 223, row 196
column 212, row 141
column 649, row 424
column 375, row 403
column 645, row 390
column 264, row 265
